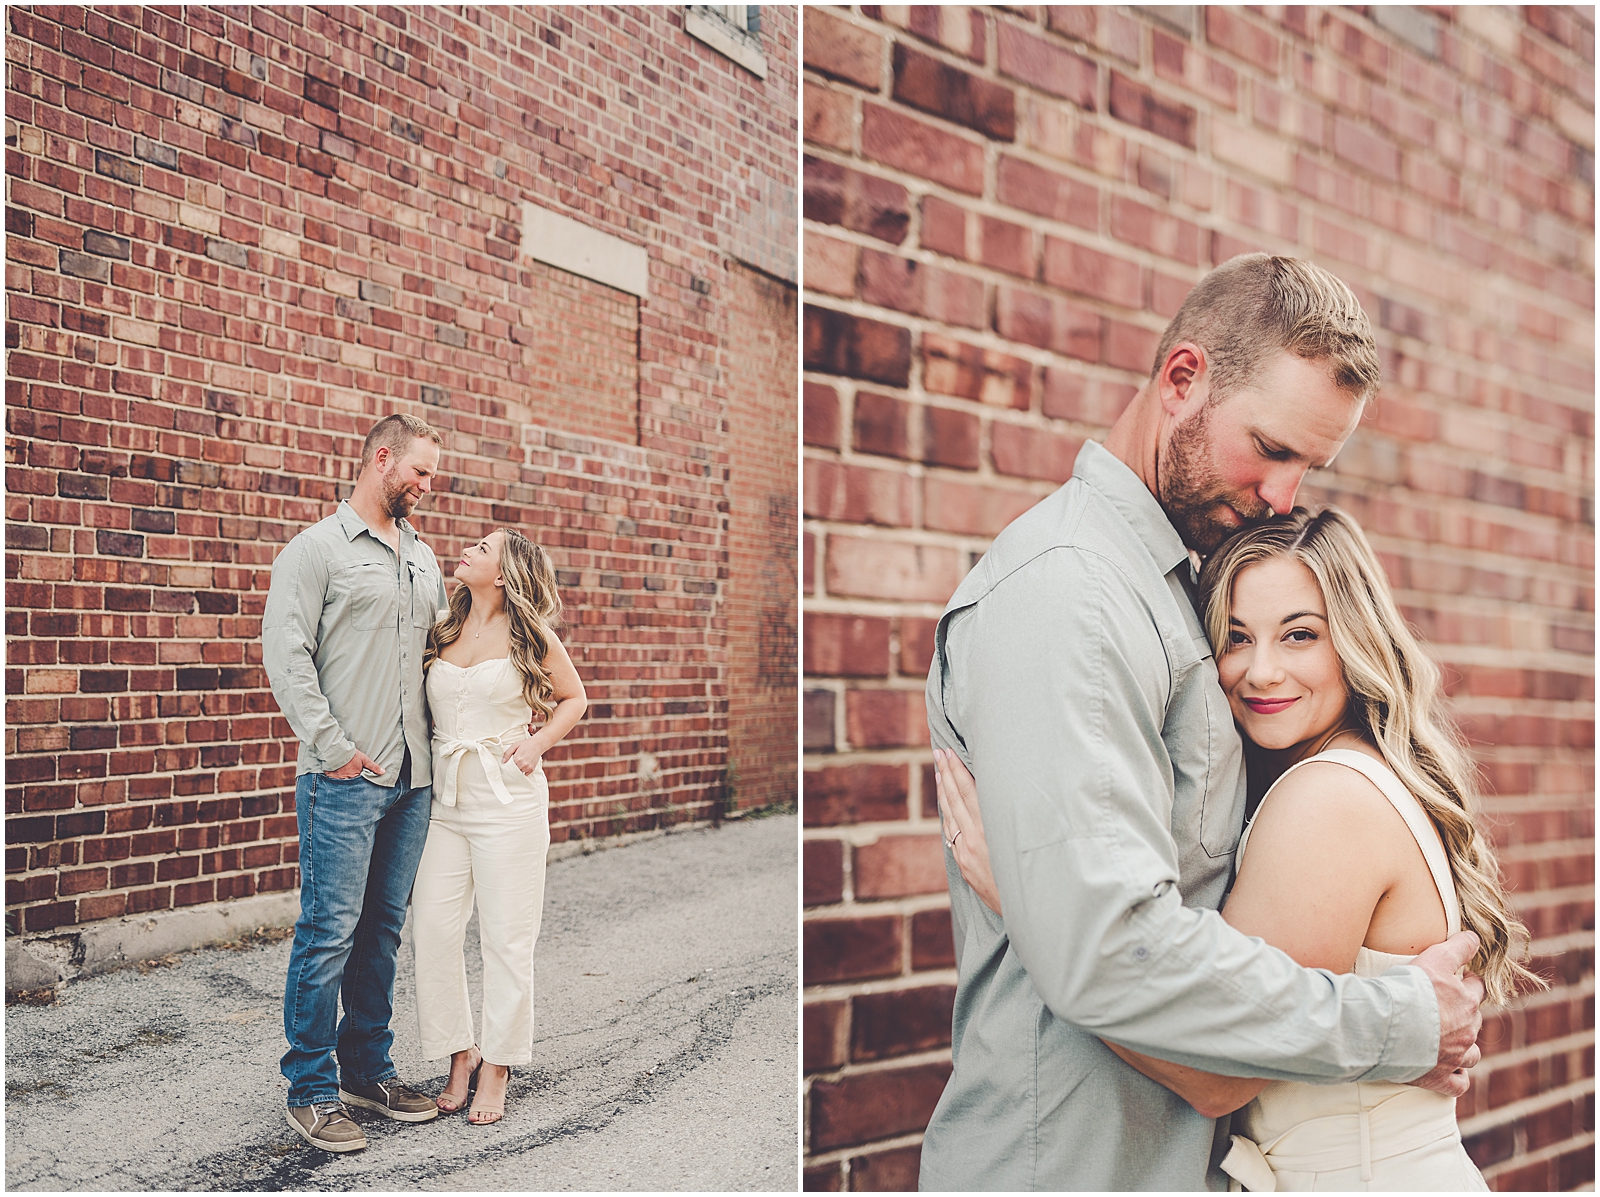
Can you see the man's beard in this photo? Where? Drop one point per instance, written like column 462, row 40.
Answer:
column 398, row 501
column 1192, row 493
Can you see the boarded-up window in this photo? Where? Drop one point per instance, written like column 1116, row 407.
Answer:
column 576, row 355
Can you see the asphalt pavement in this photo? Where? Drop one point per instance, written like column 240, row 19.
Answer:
column 665, row 1050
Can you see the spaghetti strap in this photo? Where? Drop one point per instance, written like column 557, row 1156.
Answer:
column 1409, row 809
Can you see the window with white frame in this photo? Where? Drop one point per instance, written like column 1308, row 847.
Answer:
column 743, row 16
column 733, row 30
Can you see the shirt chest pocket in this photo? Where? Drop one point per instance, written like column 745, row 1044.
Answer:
column 374, row 595
column 1207, row 758
column 424, row 596
column 1223, row 816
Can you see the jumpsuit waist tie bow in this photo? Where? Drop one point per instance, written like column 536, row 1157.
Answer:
column 448, row 754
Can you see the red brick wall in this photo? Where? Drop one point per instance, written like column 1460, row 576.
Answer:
column 1003, row 208
column 237, row 236
column 763, row 595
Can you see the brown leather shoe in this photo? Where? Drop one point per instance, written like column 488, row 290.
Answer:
column 328, row 1125
column 391, row 1099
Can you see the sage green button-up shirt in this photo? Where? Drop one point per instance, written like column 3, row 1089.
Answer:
column 342, row 636
column 1072, row 676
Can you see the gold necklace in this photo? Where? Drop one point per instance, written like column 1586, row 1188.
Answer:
column 485, row 626
column 1334, row 735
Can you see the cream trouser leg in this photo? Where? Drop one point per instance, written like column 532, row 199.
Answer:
column 494, row 852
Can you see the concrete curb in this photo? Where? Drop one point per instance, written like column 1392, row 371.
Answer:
column 587, row 846
column 45, row 961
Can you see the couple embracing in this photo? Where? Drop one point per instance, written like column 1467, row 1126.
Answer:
column 418, row 780
column 1084, row 698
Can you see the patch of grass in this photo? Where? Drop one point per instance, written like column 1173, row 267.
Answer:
column 26, row 1088
column 144, row 1037
column 258, row 938
column 766, row 812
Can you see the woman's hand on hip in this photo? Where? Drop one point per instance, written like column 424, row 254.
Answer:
column 962, row 828
column 526, row 756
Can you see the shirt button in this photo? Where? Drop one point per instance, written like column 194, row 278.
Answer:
column 1141, row 952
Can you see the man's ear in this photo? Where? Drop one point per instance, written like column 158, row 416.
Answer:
column 1182, row 382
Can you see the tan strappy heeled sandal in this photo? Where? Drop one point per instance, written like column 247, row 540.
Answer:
column 472, row 1086
column 488, row 1117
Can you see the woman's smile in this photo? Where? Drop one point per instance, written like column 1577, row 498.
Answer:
column 1270, row 706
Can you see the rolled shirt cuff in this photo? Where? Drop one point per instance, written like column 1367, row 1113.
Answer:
column 1412, row 1048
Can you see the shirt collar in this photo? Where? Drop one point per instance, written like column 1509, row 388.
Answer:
column 353, row 525
column 1099, row 468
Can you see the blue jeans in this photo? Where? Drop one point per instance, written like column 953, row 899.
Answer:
column 359, row 848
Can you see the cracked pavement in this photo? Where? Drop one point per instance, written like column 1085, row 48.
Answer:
column 665, row 1050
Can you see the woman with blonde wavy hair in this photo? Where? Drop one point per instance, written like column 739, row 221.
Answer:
column 490, row 664
column 1362, row 851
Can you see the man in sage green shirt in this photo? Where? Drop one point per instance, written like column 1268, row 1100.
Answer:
column 1072, row 676
column 346, row 622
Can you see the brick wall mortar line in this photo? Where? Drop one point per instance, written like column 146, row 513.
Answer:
column 1577, row 991
column 919, row 536
column 1553, row 945
column 1544, row 850
column 1579, row 1142
column 985, row 338
column 1521, row 900
column 904, row 904
column 894, row 1064
column 844, row 1154
column 1495, row 563
column 883, row 608
column 1510, row 806
column 1502, row 1061
column 911, row 470
column 862, row 834
column 817, row 994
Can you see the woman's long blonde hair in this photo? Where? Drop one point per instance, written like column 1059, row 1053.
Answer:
column 533, row 609
column 1395, row 701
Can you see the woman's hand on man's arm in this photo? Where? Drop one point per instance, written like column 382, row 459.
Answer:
column 961, row 827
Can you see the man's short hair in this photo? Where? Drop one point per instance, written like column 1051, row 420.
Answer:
column 396, row 433
column 1254, row 305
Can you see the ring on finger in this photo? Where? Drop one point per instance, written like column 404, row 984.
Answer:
column 951, row 842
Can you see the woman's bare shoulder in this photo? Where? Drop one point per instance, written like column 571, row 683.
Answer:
column 1332, row 801
column 1323, row 851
